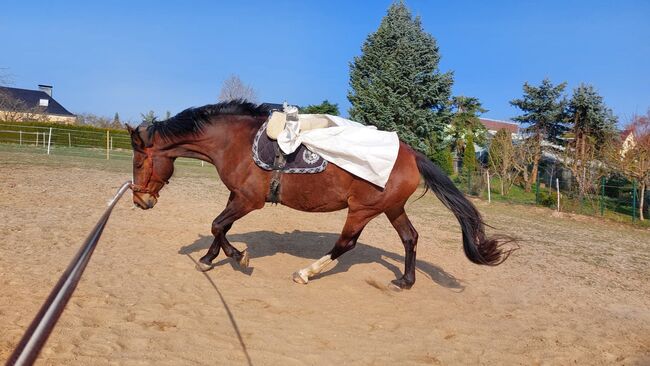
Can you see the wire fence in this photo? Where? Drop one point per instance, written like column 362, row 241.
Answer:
column 613, row 196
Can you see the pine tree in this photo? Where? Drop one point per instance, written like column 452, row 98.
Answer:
column 593, row 125
column 470, row 164
column 588, row 115
column 440, row 154
column 465, row 121
column 543, row 108
column 149, row 117
column 117, row 124
column 324, row 108
column 396, row 84
column 444, row 160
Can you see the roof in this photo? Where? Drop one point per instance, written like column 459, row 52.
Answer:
column 32, row 98
column 496, row 125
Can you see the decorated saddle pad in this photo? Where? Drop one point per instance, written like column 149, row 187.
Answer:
column 302, row 160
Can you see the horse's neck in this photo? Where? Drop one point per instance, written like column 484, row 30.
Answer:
column 214, row 140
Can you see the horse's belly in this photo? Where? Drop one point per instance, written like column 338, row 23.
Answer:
column 322, row 192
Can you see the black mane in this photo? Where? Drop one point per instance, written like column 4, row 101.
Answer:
column 192, row 120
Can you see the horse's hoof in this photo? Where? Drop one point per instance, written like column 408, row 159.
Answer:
column 200, row 266
column 243, row 259
column 300, row 278
column 399, row 285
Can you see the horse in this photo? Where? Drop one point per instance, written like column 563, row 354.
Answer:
column 222, row 134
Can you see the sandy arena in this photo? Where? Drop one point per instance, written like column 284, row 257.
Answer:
column 578, row 292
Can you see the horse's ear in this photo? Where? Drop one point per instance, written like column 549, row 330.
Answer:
column 135, row 137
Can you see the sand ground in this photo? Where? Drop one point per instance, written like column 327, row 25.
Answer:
column 578, row 292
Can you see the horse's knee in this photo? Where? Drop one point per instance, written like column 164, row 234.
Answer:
column 217, row 229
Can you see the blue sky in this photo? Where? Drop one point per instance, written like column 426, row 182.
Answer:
column 134, row 56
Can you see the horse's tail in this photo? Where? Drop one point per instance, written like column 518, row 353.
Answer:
column 478, row 248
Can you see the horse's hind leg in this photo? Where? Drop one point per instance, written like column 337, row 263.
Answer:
column 356, row 221
column 409, row 237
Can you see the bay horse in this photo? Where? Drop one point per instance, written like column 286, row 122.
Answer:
column 222, row 134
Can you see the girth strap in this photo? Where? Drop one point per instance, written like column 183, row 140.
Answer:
column 274, row 187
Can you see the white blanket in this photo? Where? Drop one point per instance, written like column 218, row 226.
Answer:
column 361, row 150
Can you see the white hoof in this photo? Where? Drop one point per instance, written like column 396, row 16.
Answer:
column 243, row 261
column 299, row 277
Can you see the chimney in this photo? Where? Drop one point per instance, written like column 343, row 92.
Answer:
column 46, row 88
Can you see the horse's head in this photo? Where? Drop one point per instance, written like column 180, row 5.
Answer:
column 152, row 168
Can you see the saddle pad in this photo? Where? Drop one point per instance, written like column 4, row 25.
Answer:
column 300, row 161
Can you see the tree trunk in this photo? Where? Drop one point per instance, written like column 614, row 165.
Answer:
column 641, row 201
column 533, row 175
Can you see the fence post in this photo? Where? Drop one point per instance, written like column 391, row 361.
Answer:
column 557, row 185
column 633, row 200
column 21, row 137
column 537, row 188
column 69, row 140
column 108, row 151
column 487, row 172
column 36, row 139
column 49, row 141
column 602, row 196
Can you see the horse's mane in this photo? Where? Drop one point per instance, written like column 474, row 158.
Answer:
column 192, row 120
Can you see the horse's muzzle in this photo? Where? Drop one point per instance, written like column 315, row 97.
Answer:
column 144, row 200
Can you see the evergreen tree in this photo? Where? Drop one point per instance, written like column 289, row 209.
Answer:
column 593, row 126
column 396, row 84
column 117, row 124
column 470, row 164
column 444, row 160
column 543, row 108
column 588, row 115
column 440, row 154
column 324, row 108
column 465, row 121
column 149, row 117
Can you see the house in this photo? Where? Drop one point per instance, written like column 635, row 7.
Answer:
column 627, row 137
column 25, row 104
column 494, row 125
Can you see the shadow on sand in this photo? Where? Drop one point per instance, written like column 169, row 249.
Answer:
column 314, row 245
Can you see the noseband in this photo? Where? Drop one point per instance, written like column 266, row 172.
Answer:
column 153, row 177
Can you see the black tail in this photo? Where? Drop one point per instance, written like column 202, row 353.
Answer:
column 477, row 247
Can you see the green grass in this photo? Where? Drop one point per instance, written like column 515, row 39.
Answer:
column 120, row 160
column 31, row 133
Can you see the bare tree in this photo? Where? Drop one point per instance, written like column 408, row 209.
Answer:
column 234, row 89
column 16, row 110
column 501, row 159
column 524, row 157
column 632, row 157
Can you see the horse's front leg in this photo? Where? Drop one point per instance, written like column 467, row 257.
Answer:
column 235, row 209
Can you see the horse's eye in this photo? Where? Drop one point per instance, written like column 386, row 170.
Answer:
column 139, row 165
